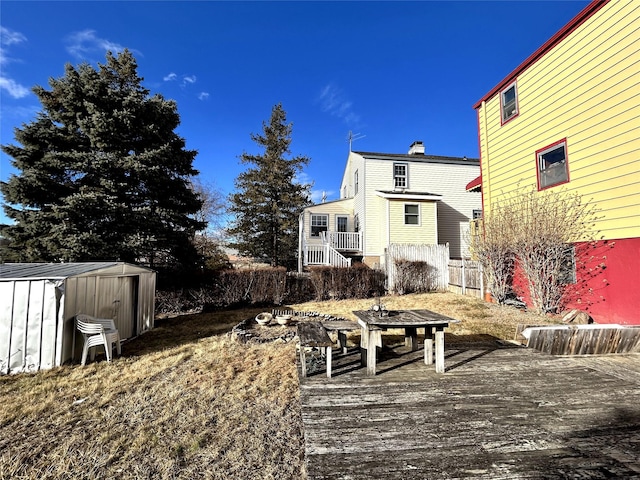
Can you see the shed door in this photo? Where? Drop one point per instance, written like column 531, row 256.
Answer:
column 117, row 299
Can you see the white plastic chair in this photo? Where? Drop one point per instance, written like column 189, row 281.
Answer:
column 96, row 332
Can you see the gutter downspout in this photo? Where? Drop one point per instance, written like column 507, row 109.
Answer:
column 388, row 220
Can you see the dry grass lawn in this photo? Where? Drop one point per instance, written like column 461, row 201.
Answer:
column 186, row 401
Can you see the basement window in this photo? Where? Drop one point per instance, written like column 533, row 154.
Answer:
column 509, row 103
column 567, row 274
column 553, row 166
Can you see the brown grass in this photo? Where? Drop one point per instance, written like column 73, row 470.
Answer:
column 185, row 401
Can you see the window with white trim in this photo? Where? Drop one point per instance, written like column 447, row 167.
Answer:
column 553, row 165
column 509, row 102
column 411, row 214
column 400, row 175
column 355, row 183
column 356, row 223
column 319, row 223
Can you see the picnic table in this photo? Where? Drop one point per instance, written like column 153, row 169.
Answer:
column 374, row 322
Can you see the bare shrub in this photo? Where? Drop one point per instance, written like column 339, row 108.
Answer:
column 338, row 283
column 272, row 286
column 299, row 288
column 538, row 230
column 412, row 276
column 494, row 250
column 253, row 286
column 545, row 227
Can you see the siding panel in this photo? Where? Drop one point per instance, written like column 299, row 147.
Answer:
column 587, row 90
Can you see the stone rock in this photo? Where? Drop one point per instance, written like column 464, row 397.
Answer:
column 576, row 317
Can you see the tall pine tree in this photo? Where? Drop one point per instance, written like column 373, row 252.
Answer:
column 269, row 200
column 103, row 175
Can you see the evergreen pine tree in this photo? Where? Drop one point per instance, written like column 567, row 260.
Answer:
column 103, row 175
column 269, row 200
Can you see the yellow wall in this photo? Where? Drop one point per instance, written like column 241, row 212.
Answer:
column 425, row 232
column 587, row 90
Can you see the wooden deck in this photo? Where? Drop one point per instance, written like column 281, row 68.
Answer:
column 499, row 412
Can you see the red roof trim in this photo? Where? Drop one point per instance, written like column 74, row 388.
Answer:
column 564, row 32
column 476, row 182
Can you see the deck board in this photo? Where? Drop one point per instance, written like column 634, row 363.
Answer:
column 497, row 413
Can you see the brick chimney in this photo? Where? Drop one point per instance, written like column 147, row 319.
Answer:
column 416, row 148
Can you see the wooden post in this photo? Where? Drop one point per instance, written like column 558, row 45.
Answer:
column 342, row 341
column 371, row 352
column 328, row 355
column 464, row 283
column 364, row 336
column 303, row 361
column 440, row 349
column 411, row 338
column 428, row 345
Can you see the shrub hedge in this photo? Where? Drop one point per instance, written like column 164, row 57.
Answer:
column 268, row 286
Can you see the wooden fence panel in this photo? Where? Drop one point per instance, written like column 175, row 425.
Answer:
column 466, row 277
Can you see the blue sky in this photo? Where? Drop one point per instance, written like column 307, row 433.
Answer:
column 392, row 72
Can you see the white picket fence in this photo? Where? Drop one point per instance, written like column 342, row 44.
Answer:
column 437, row 256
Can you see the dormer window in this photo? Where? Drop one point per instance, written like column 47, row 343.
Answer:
column 400, row 173
column 509, row 102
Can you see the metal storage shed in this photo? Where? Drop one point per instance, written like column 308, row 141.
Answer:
column 39, row 302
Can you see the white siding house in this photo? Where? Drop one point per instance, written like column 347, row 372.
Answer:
column 389, row 199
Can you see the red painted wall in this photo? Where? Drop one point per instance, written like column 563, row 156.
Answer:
column 608, row 281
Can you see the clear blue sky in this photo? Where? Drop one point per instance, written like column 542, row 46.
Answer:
column 393, row 72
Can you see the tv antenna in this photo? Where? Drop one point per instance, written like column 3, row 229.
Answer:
column 352, row 137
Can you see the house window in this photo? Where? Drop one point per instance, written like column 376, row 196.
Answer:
column 553, row 166
column 509, row 102
column 341, row 223
column 400, row 175
column 477, row 214
column 318, row 224
column 355, row 183
column 356, row 223
column 567, row 273
column 412, row 214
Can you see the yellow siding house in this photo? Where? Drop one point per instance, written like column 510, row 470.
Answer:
column 568, row 118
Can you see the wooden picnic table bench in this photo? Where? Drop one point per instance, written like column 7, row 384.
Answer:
column 410, row 320
column 342, row 327
column 314, row 335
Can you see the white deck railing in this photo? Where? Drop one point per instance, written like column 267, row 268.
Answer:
column 343, row 240
column 324, row 255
